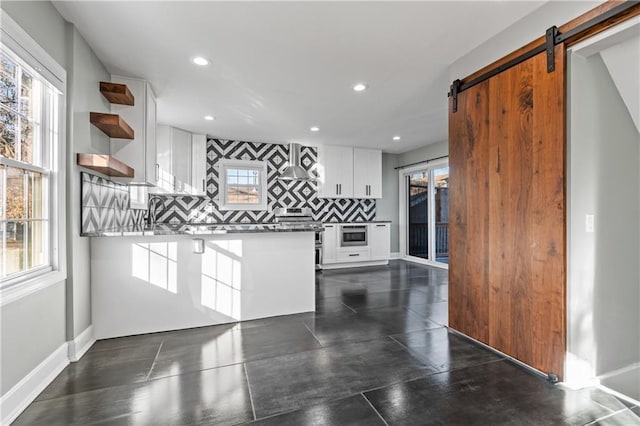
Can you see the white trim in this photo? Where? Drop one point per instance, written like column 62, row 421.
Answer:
column 618, row 394
column 427, row 262
column 25, row 288
column 355, row 264
column 395, row 255
column 26, row 390
column 81, row 344
column 614, row 35
column 260, row 166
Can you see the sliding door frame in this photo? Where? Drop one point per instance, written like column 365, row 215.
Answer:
column 404, row 212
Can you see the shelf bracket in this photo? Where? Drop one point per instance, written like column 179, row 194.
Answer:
column 550, row 37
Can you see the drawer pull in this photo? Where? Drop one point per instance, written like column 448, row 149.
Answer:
column 354, row 254
column 381, row 226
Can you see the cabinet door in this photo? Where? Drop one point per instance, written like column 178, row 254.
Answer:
column 198, row 164
column 329, row 243
column 134, row 152
column 367, row 173
column 181, row 160
column 336, row 171
column 163, row 159
column 379, row 241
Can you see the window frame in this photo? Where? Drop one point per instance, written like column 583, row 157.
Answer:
column 31, row 55
column 261, row 166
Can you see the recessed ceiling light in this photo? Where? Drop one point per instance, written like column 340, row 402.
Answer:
column 396, row 138
column 315, row 129
column 359, row 87
column 209, row 117
column 199, row 60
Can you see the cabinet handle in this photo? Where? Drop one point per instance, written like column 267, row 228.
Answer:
column 157, row 172
column 174, row 183
column 381, row 226
column 354, row 254
column 340, row 186
column 328, row 226
column 337, row 189
column 203, row 186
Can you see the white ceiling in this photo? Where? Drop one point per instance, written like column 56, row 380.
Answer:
column 278, row 68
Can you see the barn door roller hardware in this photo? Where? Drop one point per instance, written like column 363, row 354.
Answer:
column 553, row 37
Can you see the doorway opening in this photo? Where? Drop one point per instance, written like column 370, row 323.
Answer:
column 424, row 213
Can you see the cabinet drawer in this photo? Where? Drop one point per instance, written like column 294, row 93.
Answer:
column 359, row 254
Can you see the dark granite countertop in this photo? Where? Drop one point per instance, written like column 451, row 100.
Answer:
column 197, row 229
column 356, row 223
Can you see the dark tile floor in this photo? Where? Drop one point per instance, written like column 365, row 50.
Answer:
column 375, row 352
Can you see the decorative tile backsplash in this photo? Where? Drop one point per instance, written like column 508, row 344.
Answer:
column 184, row 208
column 105, row 205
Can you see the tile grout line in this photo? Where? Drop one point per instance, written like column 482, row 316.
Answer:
column 349, row 307
column 314, row 336
column 374, row 409
column 246, row 374
column 153, row 364
column 607, row 416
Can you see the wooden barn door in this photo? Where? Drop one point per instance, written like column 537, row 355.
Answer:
column 507, row 212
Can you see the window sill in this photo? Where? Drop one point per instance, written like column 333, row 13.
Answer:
column 30, row 286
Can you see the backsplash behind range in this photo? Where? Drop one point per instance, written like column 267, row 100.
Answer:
column 186, row 208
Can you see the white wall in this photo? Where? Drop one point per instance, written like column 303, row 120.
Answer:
column 387, row 208
column 85, row 72
column 517, row 35
column 604, row 276
column 33, row 327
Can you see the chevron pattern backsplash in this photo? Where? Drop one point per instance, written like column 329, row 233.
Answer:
column 185, row 208
column 105, row 205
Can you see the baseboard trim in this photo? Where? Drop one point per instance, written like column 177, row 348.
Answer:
column 395, row 255
column 26, row 390
column 81, row 344
column 355, row 264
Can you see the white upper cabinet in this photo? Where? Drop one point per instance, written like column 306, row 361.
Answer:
column 181, row 161
column 198, row 164
column 347, row 172
column 139, row 153
column 335, row 171
column 367, row 173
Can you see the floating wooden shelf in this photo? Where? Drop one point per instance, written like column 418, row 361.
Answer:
column 112, row 125
column 104, row 164
column 116, row 93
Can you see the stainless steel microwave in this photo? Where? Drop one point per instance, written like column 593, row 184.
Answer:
column 353, row 235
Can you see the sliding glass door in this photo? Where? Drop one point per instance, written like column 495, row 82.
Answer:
column 427, row 213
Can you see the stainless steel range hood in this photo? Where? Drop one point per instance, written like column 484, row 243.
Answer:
column 294, row 171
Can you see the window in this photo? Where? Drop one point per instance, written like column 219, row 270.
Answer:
column 243, row 185
column 30, row 108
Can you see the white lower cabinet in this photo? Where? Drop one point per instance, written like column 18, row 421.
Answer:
column 376, row 252
column 379, row 241
column 329, row 243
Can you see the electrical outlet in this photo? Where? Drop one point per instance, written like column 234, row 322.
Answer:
column 589, row 222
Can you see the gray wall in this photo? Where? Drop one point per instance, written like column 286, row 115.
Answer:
column 604, row 180
column 36, row 325
column 85, row 72
column 387, row 208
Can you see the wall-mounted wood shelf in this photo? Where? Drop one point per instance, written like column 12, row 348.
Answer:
column 112, row 125
column 116, row 93
column 104, row 164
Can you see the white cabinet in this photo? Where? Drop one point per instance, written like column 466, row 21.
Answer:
column 380, row 241
column 174, row 160
column 139, row 153
column 329, row 243
column 367, row 173
column 335, row 171
column 199, row 164
column 347, row 172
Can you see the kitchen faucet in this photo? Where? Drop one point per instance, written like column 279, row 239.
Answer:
column 154, row 202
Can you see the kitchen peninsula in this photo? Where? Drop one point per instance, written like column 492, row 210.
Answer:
column 155, row 279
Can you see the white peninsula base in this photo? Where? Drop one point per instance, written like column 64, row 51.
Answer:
column 156, row 283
